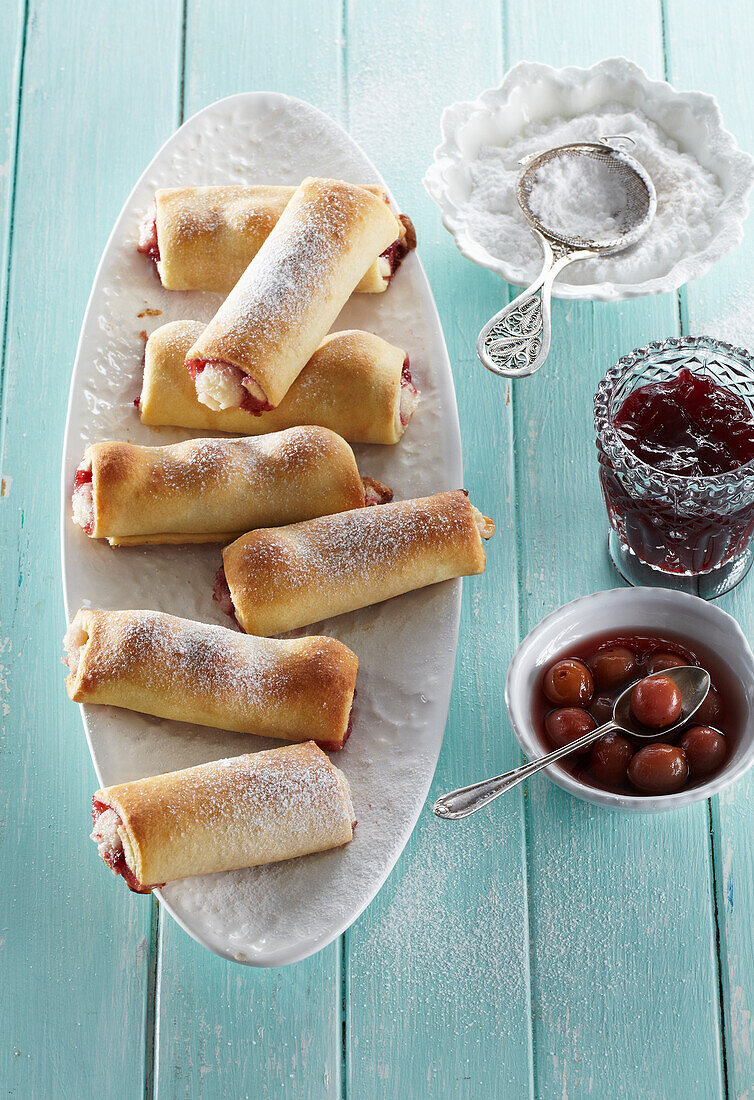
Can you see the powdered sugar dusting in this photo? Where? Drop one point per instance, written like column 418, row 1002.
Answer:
column 350, row 544
column 688, row 197
column 257, row 674
column 273, row 295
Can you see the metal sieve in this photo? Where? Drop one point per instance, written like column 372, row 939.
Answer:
column 516, row 341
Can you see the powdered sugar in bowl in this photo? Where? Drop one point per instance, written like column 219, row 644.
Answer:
column 701, row 177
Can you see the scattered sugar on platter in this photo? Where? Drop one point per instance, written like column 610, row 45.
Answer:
column 687, row 196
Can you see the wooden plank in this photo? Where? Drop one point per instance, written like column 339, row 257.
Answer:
column 437, row 967
column 225, row 1030
column 624, row 979
column 12, row 43
column 705, row 53
column 75, row 944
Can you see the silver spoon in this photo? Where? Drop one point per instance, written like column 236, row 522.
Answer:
column 693, row 684
column 516, row 341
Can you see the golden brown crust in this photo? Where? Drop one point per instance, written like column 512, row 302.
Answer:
column 208, row 236
column 283, row 578
column 297, row 689
column 352, row 385
column 277, row 314
column 254, row 809
column 203, row 489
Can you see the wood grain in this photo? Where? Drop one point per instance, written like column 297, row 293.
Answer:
column 543, row 947
column 705, row 53
column 76, row 953
column 620, row 904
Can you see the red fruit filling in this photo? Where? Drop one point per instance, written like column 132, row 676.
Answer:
column 249, row 403
column 221, row 593
column 148, row 243
column 84, row 477
column 407, row 384
column 116, row 860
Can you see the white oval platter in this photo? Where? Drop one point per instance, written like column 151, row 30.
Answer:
column 272, row 915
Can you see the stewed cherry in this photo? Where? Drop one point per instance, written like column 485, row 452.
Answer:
column 661, row 662
column 567, row 724
column 656, row 702
column 705, row 750
column 568, row 683
column 710, row 710
column 610, row 758
column 611, row 667
column 659, row 769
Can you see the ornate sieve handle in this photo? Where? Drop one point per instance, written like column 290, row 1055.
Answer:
column 516, row 341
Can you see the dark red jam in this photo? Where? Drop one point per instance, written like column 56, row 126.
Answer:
column 248, row 404
column 578, row 689
column 691, row 428
column 116, row 861
column 84, row 477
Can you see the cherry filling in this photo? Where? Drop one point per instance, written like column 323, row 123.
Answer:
column 83, row 477
column 396, row 253
column 221, row 594
column 688, row 427
column 248, row 402
column 407, row 384
column 116, row 859
column 148, row 243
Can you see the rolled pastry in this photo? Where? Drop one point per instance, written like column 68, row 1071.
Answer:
column 355, row 384
column 299, row 690
column 282, row 578
column 212, row 490
column 260, row 808
column 282, row 307
column 204, row 238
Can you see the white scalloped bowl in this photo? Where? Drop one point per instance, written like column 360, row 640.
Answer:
column 533, row 93
column 628, row 611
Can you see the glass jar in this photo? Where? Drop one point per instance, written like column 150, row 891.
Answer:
column 669, row 530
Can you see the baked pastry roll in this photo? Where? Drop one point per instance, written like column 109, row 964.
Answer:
column 260, row 808
column 204, row 238
column 282, row 307
column 282, row 578
column 212, row 490
column 355, row 384
column 299, row 690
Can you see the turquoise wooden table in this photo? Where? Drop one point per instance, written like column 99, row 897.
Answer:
column 542, row 948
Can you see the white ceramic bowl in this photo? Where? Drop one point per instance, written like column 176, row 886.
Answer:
column 532, row 93
column 624, row 611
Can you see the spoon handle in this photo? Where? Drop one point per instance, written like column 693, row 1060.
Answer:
column 466, row 800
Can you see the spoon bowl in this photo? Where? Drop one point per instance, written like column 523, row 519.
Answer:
column 693, row 684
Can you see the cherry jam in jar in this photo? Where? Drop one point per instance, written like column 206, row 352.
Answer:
column 675, row 440
column 577, row 691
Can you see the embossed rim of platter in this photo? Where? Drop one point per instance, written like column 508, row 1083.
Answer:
column 532, row 82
